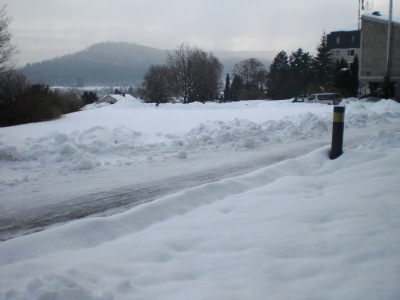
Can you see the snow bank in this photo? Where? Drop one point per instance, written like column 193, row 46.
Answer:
column 52, row 149
column 130, row 132
column 305, row 228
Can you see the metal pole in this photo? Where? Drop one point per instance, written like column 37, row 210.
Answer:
column 389, row 40
column 337, row 132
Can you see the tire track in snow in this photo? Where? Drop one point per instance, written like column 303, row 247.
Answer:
column 36, row 219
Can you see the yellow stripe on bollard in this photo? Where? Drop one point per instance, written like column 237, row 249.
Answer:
column 338, row 117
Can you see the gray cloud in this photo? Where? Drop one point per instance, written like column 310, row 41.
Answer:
column 44, row 29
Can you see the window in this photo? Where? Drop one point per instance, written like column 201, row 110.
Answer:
column 338, row 40
column 351, row 52
column 324, row 96
column 352, row 39
column 336, row 52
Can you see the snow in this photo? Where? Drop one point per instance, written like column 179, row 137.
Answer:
column 354, row 26
column 305, row 227
column 380, row 17
column 351, row 27
column 118, row 97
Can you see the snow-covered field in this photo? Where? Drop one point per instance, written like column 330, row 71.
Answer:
column 302, row 228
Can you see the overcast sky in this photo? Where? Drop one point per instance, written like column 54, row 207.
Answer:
column 44, row 29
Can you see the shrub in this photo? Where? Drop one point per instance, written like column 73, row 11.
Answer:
column 89, row 97
column 22, row 103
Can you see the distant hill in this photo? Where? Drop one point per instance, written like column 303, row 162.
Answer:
column 102, row 64
column 115, row 64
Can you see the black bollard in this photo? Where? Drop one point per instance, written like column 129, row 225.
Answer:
column 337, row 132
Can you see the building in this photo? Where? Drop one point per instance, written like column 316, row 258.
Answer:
column 380, row 57
column 345, row 43
column 113, row 98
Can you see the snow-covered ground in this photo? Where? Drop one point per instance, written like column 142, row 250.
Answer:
column 306, row 227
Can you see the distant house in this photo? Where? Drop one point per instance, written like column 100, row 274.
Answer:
column 113, row 98
column 379, row 56
column 345, row 43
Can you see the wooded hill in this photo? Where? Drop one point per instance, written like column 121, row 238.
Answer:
column 102, row 64
column 116, row 64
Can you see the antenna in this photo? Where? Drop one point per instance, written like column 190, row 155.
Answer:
column 366, row 8
column 369, row 8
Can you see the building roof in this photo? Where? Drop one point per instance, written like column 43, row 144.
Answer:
column 380, row 17
column 117, row 97
column 122, row 97
column 352, row 27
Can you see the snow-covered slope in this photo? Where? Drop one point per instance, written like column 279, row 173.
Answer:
column 303, row 228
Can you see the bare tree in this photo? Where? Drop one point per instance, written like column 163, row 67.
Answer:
column 195, row 74
column 183, row 63
column 7, row 51
column 253, row 74
column 207, row 77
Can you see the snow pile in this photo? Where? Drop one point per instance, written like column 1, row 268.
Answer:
column 52, row 149
column 361, row 114
column 241, row 133
column 130, row 132
column 304, row 228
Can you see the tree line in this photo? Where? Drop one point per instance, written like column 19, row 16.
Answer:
column 194, row 75
column 22, row 102
column 300, row 74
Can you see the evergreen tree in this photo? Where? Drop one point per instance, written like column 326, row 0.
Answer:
column 387, row 87
column 227, row 90
column 342, row 78
column 277, row 78
column 323, row 65
column 237, row 88
column 300, row 71
column 337, row 78
column 89, row 97
column 354, row 75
